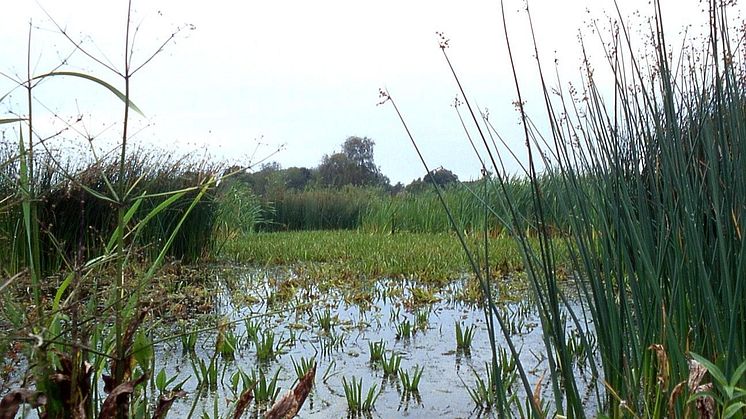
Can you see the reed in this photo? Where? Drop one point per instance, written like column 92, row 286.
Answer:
column 653, row 191
column 86, row 238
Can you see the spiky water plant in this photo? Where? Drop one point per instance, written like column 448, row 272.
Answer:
column 464, row 337
column 265, row 345
column 411, row 383
column 422, row 317
column 188, row 341
column 390, row 365
column 324, row 321
column 404, row 330
column 265, row 391
column 354, row 395
column 377, row 350
column 302, row 366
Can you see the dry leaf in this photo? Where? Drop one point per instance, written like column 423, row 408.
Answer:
column 118, row 396
column 11, row 401
column 165, row 402
column 244, row 401
column 289, row 405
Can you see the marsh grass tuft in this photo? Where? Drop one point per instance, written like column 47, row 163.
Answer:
column 354, row 394
column 464, row 337
column 404, row 330
column 411, row 383
column 377, row 351
column 390, row 365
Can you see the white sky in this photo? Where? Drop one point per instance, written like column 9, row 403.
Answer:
column 301, row 73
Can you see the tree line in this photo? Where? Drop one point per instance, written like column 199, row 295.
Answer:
column 353, row 166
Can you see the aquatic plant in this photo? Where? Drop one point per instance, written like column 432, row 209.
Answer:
column 404, row 329
column 377, row 350
column 324, row 321
column 464, row 336
column 265, row 345
column 302, row 366
column 265, row 391
column 653, row 192
column 354, row 395
column 411, row 383
column 390, row 365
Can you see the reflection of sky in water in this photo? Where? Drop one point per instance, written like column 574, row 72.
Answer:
column 442, row 389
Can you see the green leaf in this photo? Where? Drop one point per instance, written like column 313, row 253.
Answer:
column 142, row 350
column 61, row 290
column 160, row 380
column 733, row 409
column 111, row 88
column 738, row 374
column 127, row 217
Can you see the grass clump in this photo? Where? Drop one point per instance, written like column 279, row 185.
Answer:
column 464, row 337
column 411, row 383
column 353, row 390
column 390, row 365
column 377, row 351
column 265, row 346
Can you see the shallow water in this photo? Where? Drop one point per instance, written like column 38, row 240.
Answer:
column 447, row 372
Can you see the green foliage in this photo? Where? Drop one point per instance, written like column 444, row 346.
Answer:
column 239, row 212
column 354, row 395
column 411, row 383
column 320, row 208
column 650, row 194
column 432, row 258
column 265, row 391
column 377, row 350
column 464, row 336
column 353, row 166
column 390, row 365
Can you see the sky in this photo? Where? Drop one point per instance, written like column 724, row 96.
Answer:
column 241, row 80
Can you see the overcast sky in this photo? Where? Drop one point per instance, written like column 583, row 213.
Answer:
column 304, row 74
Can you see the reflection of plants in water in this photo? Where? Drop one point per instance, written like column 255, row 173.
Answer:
column 334, row 342
column 354, row 395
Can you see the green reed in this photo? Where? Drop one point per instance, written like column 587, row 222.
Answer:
column 650, row 173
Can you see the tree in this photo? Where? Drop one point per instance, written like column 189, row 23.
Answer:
column 440, row 176
column 297, row 178
column 354, row 165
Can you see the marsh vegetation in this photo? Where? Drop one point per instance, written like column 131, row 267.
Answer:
column 605, row 279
